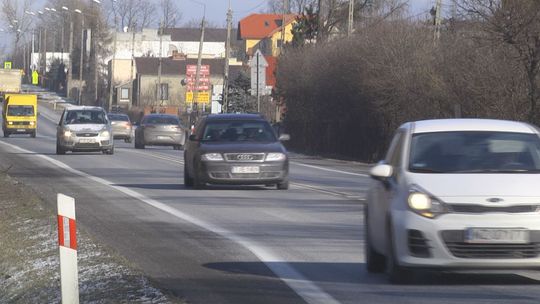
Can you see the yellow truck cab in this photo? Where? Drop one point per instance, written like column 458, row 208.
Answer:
column 19, row 114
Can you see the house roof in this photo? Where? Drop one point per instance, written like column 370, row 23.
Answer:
column 194, row 34
column 150, row 65
column 259, row 26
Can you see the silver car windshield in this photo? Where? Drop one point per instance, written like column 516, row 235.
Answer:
column 85, row 117
column 239, row 131
column 475, row 152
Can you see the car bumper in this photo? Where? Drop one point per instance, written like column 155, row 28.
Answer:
column 165, row 139
column 81, row 144
column 444, row 239
column 20, row 129
column 121, row 134
column 222, row 173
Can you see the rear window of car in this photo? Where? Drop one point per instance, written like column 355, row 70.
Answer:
column 161, row 120
column 116, row 117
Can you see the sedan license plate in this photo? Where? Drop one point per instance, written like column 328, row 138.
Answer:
column 497, row 236
column 163, row 137
column 21, row 130
column 87, row 141
column 252, row 169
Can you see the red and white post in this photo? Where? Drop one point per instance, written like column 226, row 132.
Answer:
column 67, row 243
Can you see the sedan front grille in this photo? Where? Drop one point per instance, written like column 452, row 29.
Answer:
column 472, row 208
column 454, row 240
column 244, row 157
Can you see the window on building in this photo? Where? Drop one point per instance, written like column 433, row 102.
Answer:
column 279, row 43
column 163, row 91
column 124, row 93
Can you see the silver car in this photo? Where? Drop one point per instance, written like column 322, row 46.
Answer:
column 84, row 129
column 121, row 126
column 160, row 130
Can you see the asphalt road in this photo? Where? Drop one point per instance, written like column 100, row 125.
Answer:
column 237, row 244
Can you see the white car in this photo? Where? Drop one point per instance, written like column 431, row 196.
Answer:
column 455, row 194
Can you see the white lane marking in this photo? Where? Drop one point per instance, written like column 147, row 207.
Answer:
column 149, row 154
column 330, row 170
column 306, row 289
column 348, row 196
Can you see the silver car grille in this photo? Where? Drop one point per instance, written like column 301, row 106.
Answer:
column 87, row 134
column 244, row 157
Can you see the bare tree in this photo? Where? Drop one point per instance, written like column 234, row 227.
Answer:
column 296, row 6
column 169, row 13
column 17, row 22
column 516, row 26
column 196, row 23
column 132, row 13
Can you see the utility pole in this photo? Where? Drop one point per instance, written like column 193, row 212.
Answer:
column 351, row 18
column 111, row 84
column 197, row 73
column 258, row 88
column 81, row 62
column 159, row 88
column 437, row 34
column 44, row 56
column 132, row 63
column 227, row 53
column 70, row 70
column 285, row 11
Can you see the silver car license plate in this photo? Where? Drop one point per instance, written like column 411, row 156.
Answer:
column 497, row 235
column 250, row 169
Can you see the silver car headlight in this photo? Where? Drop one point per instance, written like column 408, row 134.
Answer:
column 212, row 157
column 105, row 134
column 68, row 133
column 425, row 204
column 275, row 157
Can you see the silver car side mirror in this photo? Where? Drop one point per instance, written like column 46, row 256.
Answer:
column 381, row 172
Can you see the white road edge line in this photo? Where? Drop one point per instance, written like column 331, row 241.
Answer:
column 306, row 289
column 329, row 170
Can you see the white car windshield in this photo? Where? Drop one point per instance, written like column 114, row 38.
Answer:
column 475, row 152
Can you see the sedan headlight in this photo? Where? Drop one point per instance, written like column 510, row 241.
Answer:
column 425, row 204
column 275, row 156
column 68, row 133
column 212, row 157
column 105, row 134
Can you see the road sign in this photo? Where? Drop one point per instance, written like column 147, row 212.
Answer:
column 202, row 97
column 7, row 65
column 258, row 66
column 35, row 78
column 204, row 77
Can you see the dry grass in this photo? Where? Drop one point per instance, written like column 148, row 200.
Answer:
column 29, row 262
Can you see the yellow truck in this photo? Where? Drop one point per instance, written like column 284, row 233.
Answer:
column 19, row 114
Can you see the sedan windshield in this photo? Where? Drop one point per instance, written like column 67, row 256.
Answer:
column 85, row 117
column 475, row 152
column 20, row 111
column 239, row 131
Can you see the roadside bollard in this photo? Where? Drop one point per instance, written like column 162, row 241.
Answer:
column 67, row 244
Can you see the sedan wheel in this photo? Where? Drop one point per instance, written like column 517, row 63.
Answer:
column 60, row 150
column 188, row 180
column 283, row 185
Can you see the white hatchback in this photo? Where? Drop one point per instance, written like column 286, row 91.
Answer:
column 456, row 194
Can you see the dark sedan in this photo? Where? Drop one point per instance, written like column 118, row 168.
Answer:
column 160, row 130
column 240, row 149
